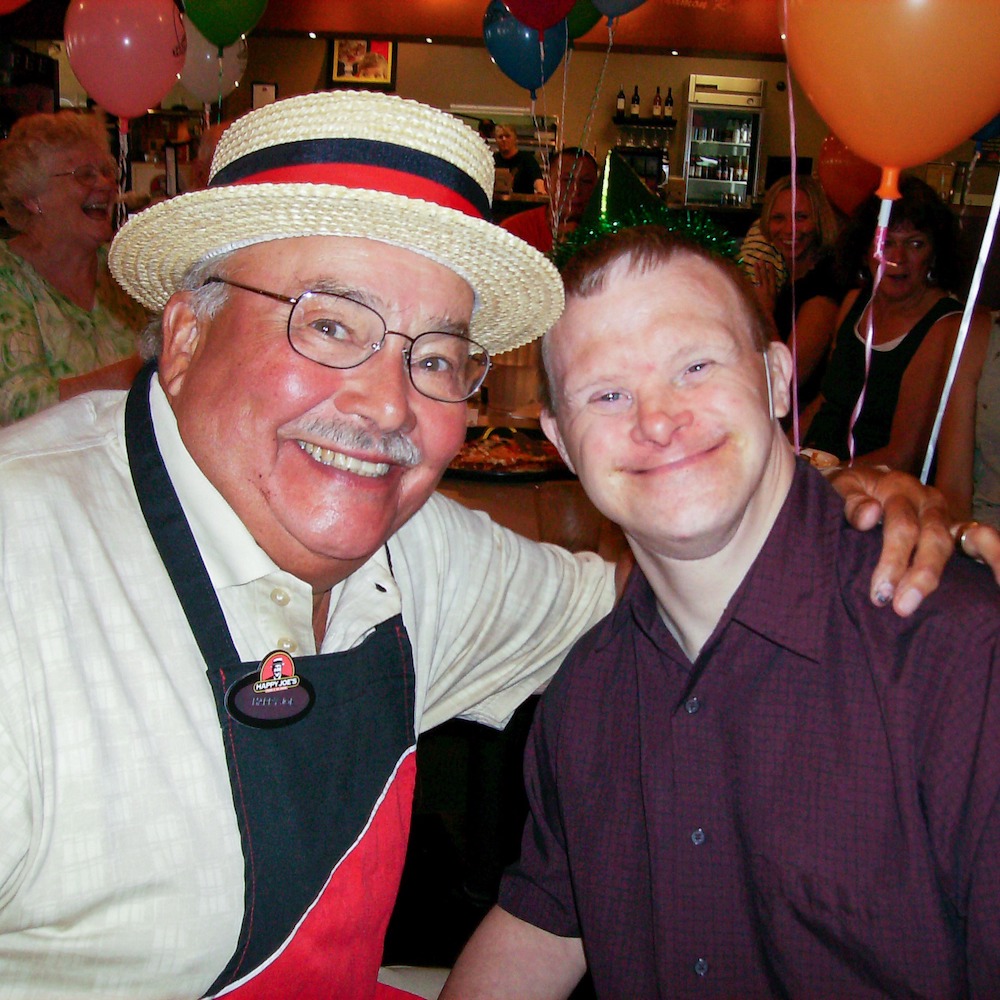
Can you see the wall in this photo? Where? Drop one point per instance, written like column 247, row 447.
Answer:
column 442, row 75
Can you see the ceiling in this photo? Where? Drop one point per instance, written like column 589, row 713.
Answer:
column 730, row 27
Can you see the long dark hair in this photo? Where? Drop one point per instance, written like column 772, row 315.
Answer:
column 919, row 205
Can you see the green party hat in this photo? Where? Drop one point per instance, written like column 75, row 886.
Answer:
column 622, row 200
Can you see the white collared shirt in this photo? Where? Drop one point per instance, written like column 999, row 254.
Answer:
column 121, row 870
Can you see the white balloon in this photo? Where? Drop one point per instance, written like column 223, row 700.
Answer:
column 204, row 74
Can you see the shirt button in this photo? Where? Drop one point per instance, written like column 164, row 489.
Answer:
column 692, row 705
column 280, row 596
column 698, row 837
column 701, row 967
column 288, row 645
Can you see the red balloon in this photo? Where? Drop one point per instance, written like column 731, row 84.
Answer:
column 846, row 179
column 127, row 55
column 900, row 82
column 6, row 6
column 539, row 14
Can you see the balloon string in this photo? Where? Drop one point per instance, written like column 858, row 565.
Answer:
column 963, row 329
column 221, row 71
column 791, row 277
column 881, row 229
column 559, row 202
column 555, row 202
column 536, row 121
column 121, row 213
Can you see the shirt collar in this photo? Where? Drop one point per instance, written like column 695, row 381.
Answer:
column 795, row 571
column 230, row 553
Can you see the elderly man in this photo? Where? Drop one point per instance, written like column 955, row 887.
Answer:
column 231, row 600
column 572, row 177
column 746, row 781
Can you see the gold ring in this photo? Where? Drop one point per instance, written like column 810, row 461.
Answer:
column 961, row 531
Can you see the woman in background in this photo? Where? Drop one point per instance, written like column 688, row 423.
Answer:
column 968, row 450
column 61, row 312
column 915, row 322
column 805, row 241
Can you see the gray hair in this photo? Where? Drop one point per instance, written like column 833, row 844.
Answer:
column 206, row 300
column 26, row 155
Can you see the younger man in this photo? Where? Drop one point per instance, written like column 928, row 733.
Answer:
column 746, row 781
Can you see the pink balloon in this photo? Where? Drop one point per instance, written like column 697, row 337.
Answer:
column 127, row 55
column 539, row 14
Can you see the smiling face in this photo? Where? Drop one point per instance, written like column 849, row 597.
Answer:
column 81, row 208
column 783, row 225
column 322, row 465
column 661, row 408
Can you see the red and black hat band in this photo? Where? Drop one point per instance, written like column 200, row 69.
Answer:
column 364, row 164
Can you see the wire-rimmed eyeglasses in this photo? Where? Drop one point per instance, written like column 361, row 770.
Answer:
column 89, row 173
column 338, row 332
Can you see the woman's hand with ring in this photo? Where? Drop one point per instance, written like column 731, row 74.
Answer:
column 979, row 541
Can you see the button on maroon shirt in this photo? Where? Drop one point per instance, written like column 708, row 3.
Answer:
column 808, row 810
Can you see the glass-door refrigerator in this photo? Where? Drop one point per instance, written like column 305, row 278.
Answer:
column 722, row 140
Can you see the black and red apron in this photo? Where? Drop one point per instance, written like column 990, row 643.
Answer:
column 323, row 803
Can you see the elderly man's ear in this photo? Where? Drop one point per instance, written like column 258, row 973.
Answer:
column 778, row 367
column 181, row 336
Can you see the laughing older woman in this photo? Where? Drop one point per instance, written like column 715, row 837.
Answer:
column 61, row 312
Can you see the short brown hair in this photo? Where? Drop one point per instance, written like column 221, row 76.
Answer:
column 646, row 248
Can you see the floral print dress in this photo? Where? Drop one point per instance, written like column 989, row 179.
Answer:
column 45, row 337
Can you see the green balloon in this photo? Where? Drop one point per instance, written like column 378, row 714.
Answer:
column 581, row 18
column 223, row 21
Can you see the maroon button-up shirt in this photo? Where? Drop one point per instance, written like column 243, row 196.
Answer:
column 808, row 810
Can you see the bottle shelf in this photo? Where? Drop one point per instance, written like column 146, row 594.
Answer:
column 716, row 142
column 626, row 121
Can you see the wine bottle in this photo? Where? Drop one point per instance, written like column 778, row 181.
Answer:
column 668, row 104
column 635, row 102
column 620, row 102
column 657, row 104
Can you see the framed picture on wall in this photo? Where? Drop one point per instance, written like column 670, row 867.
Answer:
column 264, row 93
column 368, row 63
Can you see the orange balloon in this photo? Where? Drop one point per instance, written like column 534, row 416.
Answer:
column 899, row 81
column 846, row 179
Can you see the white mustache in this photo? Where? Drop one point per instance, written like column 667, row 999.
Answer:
column 395, row 446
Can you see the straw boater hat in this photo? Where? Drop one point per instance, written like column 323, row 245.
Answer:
column 350, row 163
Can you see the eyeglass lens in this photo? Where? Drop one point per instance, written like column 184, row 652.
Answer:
column 341, row 333
column 90, row 172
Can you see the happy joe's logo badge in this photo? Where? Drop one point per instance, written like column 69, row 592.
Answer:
column 272, row 695
column 277, row 673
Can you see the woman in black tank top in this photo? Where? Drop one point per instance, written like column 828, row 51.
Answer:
column 914, row 321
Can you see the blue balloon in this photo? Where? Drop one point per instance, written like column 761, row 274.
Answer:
column 614, row 8
column 514, row 47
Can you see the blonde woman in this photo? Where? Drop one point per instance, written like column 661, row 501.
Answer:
column 805, row 239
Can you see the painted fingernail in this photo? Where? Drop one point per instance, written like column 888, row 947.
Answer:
column 908, row 602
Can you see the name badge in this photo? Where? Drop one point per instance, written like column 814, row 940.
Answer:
column 274, row 695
